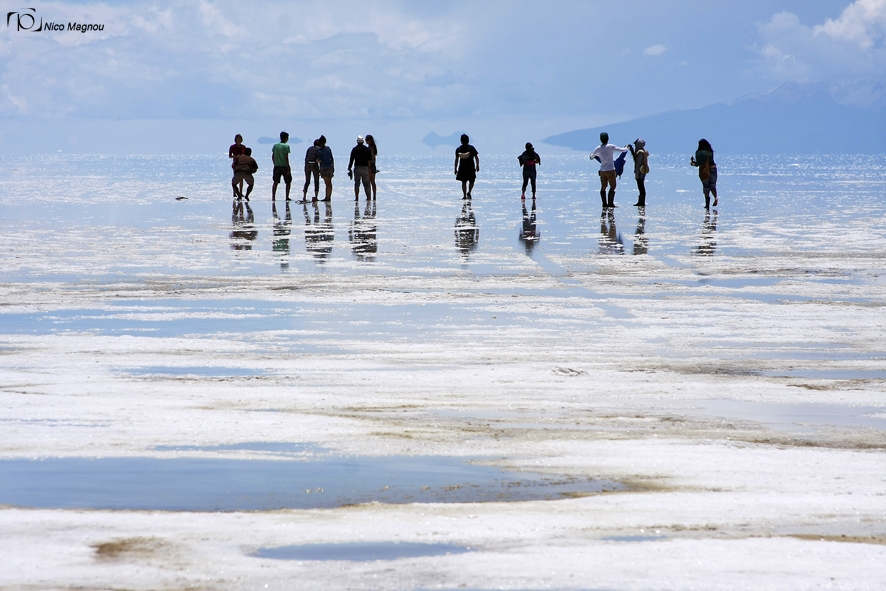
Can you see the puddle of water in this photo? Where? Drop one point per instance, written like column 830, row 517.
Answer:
column 359, row 551
column 195, row 371
column 279, row 447
column 633, row 538
column 791, row 417
column 201, row 484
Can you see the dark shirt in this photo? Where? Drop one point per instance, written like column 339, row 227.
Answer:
column 529, row 158
column 361, row 155
column 324, row 155
column 311, row 155
column 236, row 150
column 466, row 163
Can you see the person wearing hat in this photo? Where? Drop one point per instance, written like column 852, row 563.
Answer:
column 641, row 168
column 358, row 168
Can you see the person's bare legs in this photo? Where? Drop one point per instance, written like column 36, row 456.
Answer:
column 464, row 189
column 288, row 187
column 372, row 184
column 274, row 191
column 470, row 187
column 328, row 181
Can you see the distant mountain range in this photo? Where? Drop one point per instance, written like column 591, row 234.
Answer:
column 798, row 118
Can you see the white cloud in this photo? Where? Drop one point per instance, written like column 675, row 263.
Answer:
column 656, row 49
column 847, row 48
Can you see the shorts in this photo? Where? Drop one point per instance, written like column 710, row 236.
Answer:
column 327, row 172
column 640, row 176
column 243, row 176
column 710, row 183
column 607, row 176
column 466, row 173
column 283, row 171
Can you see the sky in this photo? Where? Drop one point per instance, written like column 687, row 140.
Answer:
column 173, row 72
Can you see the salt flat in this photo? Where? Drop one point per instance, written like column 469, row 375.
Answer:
column 725, row 369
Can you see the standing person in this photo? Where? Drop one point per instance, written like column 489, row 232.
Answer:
column 244, row 166
column 528, row 161
column 373, row 169
column 312, row 168
column 707, row 171
column 467, row 165
column 358, row 167
column 280, row 156
column 236, row 149
column 641, row 168
column 603, row 154
column 327, row 165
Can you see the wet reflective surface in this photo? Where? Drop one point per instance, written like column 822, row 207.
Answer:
column 208, row 484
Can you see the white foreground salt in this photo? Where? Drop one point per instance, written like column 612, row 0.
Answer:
column 729, row 368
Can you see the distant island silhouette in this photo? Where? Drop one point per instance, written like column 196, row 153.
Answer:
column 798, row 118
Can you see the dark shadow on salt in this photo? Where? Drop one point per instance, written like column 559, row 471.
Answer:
column 210, row 484
column 359, row 551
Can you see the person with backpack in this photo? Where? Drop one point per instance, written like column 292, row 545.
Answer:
column 528, row 160
column 707, row 171
column 604, row 154
column 641, row 168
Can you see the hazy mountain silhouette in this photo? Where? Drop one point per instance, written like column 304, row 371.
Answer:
column 799, row 118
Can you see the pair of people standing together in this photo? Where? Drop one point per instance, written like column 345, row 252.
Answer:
column 319, row 162
column 610, row 168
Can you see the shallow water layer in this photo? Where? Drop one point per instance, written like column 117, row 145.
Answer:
column 359, row 551
column 200, row 484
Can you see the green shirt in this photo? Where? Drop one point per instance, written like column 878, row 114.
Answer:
column 280, row 150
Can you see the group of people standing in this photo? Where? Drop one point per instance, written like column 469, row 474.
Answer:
column 319, row 163
column 467, row 165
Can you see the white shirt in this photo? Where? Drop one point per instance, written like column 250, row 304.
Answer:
column 605, row 154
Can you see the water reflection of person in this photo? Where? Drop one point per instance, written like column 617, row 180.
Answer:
column 529, row 234
column 467, row 234
column 282, row 230
column 243, row 221
column 641, row 241
column 363, row 232
column 319, row 235
column 610, row 240
column 708, row 242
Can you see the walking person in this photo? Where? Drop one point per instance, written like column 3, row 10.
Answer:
column 373, row 168
column 327, row 165
column 528, row 160
column 358, row 168
column 280, row 156
column 641, row 168
column 467, row 165
column 312, row 169
column 603, row 154
column 244, row 166
column 707, row 171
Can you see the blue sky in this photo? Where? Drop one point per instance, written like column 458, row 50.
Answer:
column 423, row 66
